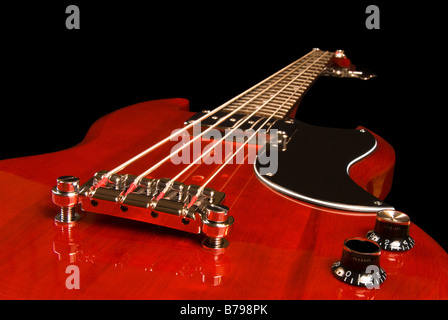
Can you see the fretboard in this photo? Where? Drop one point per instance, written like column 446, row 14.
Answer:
column 282, row 91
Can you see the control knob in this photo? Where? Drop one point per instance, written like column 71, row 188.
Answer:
column 391, row 231
column 360, row 264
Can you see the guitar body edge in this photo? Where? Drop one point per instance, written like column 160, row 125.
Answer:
column 280, row 247
column 375, row 172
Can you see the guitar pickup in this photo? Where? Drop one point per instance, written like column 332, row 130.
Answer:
column 284, row 128
column 206, row 215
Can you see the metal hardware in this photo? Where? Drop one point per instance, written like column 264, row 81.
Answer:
column 339, row 54
column 285, row 128
column 391, row 231
column 65, row 195
column 216, row 225
column 206, row 215
column 342, row 68
column 346, row 73
column 360, row 264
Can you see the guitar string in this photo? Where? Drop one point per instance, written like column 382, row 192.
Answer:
column 228, row 159
column 137, row 180
column 120, row 167
column 171, row 181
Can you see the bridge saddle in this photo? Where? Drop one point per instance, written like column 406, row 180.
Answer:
column 207, row 214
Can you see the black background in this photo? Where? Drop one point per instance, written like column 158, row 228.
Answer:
column 128, row 52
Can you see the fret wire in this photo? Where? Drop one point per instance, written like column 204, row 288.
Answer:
column 276, row 87
column 269, row 116
column 224, row 106
column 313, row 69
column 137, row 180
column 280, row 86
column 227, row 106
column 168, row 184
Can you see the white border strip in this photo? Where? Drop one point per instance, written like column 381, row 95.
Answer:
column 335, row 205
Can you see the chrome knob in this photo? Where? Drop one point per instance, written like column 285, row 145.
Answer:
column 217, row 213
column 391, row 231
column 65, row 195
column 216, row 225
column 360, row 264
column 67, row 184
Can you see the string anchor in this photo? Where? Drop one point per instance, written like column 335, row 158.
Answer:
column 216, row 225
column 65, row 195
column 158, row 201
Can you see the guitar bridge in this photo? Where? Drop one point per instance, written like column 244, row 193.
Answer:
column 206, row 215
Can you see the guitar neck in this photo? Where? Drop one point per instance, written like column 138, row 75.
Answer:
column 280, row 93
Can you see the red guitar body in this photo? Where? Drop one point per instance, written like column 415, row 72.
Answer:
column 280, row 247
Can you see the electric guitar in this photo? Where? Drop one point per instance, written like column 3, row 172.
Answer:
column 239, row 202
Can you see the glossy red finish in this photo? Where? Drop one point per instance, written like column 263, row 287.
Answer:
column 280, row 248
column 342, row 62
column 375, row 173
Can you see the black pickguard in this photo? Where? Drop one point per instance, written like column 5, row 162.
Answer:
column 314, row 168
